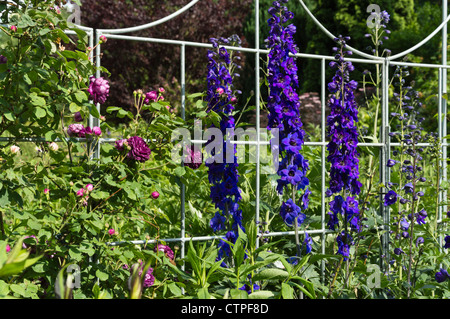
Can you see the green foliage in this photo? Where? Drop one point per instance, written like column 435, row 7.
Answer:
column 12, row 264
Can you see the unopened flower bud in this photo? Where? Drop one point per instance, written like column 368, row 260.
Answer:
column 78, row 117
column 97, row 131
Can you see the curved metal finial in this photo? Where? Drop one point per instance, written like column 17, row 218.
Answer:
column 151, row 24
column 369, row 56
column 418, row 45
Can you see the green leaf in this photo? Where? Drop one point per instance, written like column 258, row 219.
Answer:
column 122, row 113
column 44, row 31
column 180, row 171
column 73, row 107
column 40, row 112
column 93, row 111
column 318, row 257
column 25, row 21
column 33, row 224
column 194, row 260
column 194, row 95
column 4, row 197
column 174, row 289
column 308, row 292
column 287, row 292
column 75, row 253
column 10, row 116
column 240, row 247
column 18, row 289
column 81, row 96
column 238, row 294
column 37, row 100
column 259, row 264
column 69, row 54
column 202, row 114
column 4, row 289
column 156, row 106
column 262, row 294
column 99, row 195
column 63, row 36
column 102, row 276
column 203, row 294
column 271, row 274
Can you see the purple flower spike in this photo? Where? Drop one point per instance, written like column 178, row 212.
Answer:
column 284, row 109
column 222, row 175
column 290, row 211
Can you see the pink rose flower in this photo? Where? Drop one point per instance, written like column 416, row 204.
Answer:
column 98, row 89
column 139, row 150
column 166, row 249
column 76, row 130
column 97, row 130
column 151, row 96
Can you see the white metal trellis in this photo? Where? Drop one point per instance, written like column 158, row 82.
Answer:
column 384, row 145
